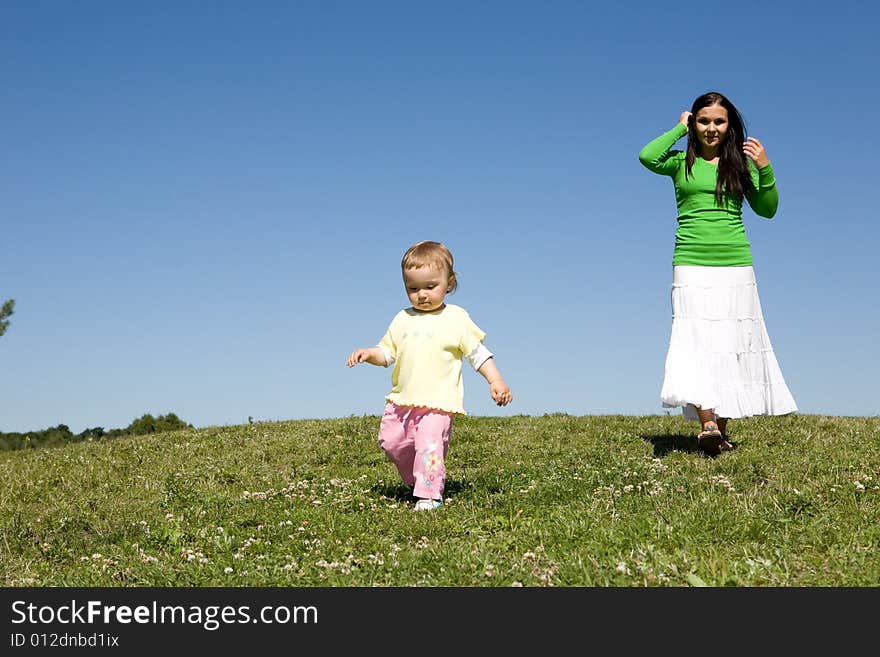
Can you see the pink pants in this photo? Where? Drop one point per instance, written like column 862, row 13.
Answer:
column 416, row 440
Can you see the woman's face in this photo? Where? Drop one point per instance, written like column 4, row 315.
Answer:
column 711, row 126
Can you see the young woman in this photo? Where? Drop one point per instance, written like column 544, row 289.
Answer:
column 720, row 363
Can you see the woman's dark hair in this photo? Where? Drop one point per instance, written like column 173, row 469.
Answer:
column 734, row 178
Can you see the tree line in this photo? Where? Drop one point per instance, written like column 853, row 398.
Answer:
column 6, row 311
column 62, row 435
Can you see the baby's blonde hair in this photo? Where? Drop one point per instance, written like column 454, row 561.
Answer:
column 430, row 254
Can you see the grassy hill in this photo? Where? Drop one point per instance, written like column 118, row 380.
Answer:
column 555, row 500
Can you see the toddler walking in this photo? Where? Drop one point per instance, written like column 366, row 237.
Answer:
column 426, row 343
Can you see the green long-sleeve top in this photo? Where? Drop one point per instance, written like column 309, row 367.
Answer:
column 708, row 234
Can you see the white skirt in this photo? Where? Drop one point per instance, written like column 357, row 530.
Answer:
column 720, row 356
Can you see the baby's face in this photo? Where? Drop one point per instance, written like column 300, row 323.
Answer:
column 426, row 287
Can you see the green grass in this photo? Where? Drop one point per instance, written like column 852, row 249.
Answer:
column 556, row 500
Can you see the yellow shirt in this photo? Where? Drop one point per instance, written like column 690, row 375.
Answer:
column 427, row 349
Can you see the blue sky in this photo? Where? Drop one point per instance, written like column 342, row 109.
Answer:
column 204, row 204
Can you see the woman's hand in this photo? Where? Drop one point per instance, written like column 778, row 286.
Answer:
column 755, row 150
column 685, row 119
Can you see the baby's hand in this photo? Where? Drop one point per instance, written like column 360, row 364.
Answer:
column 500, row 393
column 357, row 356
